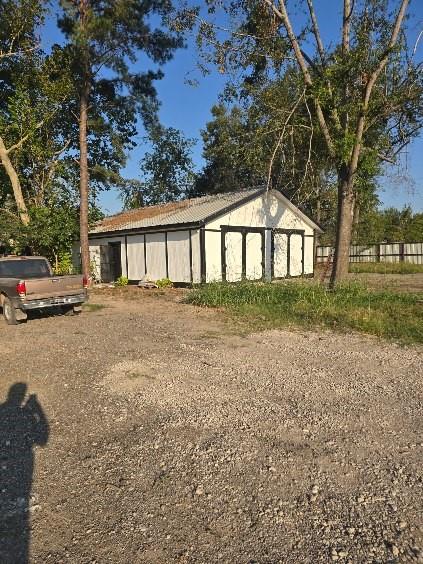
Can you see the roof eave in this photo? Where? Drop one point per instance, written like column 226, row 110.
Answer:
column 146, row 229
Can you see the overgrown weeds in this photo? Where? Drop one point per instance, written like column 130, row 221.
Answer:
column 349, row 306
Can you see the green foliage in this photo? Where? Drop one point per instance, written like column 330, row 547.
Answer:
column 164, row 283
column 122, row 281
column 390, row 225
column 167, row 171
column 103, row 47
column 386, row 268
column 350, row 306
column 64, row 265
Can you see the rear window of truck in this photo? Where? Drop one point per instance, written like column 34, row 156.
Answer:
column 32, row 268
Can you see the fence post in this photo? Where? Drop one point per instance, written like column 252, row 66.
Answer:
column 401, row 252
column 378, row 252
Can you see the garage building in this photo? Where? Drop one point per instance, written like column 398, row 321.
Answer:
column 252, row 234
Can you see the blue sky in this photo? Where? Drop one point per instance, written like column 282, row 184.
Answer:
column 187, row 108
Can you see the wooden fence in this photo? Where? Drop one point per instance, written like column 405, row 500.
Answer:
column 378, row 252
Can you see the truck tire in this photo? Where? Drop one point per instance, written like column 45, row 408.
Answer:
column 9, row 312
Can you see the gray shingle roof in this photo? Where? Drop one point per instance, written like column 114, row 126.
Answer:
column 195, row 210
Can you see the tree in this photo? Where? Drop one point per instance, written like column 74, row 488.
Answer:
column 167, row 171
column 364, row 93
column 18, row 51
column 106, row 37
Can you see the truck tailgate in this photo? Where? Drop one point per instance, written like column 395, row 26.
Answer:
column 39, row 288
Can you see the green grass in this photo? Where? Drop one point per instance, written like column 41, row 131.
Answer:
column 350, row 306
column 93, row 307
column 386, row 267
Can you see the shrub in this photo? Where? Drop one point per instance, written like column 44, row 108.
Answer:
column 122, row 281
column 164, row 283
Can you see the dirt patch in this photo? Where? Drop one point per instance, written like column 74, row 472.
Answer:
column 174, row 440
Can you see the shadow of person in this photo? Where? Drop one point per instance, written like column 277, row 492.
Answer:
column 22, row 426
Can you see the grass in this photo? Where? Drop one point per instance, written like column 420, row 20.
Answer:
column 386, row 267
column 93, row 307
column 351, row 306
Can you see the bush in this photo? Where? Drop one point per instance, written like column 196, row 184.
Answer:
column 64, row 265
column 122, row 281
column 164, row 283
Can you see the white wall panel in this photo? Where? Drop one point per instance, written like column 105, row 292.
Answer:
column 136, row 267
column 156, row 256
column 196, row 257
column 213, row 256
column 308, row 255
column 253, row 258
column 295, row 255
column 280, row 256
column 233, row 253
column 178, row 256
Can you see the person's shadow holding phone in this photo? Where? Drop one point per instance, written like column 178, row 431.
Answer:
column 22, row 426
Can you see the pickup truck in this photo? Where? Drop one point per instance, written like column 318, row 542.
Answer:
column 28, row 283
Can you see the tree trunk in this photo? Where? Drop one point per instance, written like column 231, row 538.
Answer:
column 16, row 185
column 346, row 201
column 318, row 219
column 84, row 182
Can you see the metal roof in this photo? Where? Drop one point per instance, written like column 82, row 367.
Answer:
column 191, row 211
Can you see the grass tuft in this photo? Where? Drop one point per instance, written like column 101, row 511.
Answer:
column 386, row 268
column 349, row 306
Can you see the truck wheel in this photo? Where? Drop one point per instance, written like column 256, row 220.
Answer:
column 9, row 312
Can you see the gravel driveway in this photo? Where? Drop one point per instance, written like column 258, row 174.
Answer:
column 173, row 439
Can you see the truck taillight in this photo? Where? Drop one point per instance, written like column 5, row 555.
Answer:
column 85, row 281
column 21, row 289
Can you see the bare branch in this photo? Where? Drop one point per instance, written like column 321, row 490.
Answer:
column 369, row 87
column 283, row 15
column 278, row 144
column 417, row 42
column 316, row 32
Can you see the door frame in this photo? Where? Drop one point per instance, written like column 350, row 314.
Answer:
column 244, row 230
column 288, row 233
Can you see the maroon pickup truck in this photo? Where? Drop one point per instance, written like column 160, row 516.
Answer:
column 28, row 283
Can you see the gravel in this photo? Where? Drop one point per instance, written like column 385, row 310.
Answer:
column 174, row 437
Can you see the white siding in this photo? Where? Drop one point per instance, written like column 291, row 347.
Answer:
column 280, row 257
column 233, row 244
column 271, row 212
column 178, row 256
column 308, row 255
column 136, row 265
column 196, row 260
column 266, row 210
column 156, row 256
column 213, row 256
column 253, row 259
column 295, row 255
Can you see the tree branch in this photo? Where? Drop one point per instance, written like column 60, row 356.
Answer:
column 316, row 32
column 283, row 16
